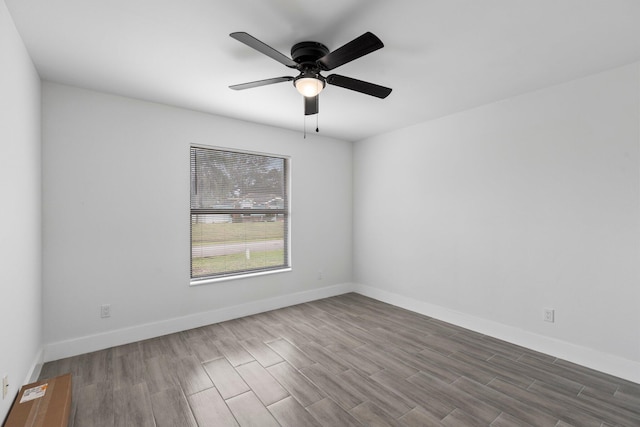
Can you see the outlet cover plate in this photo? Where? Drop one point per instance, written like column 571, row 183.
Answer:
column 5, row 386
column 549, row 315
column 105, row 310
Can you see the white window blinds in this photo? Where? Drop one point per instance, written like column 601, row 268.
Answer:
column 239, row 213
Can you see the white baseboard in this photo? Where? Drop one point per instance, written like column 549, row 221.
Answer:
column 86, row 344
column 603, row 362
column 36, row 367
column 584, row 356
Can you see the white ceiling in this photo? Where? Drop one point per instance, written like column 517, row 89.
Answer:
column 440, row 56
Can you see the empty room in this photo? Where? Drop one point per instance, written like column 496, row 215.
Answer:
column 336, row 213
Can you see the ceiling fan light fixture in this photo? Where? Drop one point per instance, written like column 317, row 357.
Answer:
column 309, row 86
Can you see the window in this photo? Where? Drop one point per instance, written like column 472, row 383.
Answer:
column 239, row 213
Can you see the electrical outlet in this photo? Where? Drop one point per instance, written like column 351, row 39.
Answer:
column 549, row 315
column 105, row 310
column 319, row 274
column 5, row 386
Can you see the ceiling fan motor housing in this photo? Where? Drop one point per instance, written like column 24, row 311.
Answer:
column 308, row 52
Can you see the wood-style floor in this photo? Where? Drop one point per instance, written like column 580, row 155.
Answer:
column 342, row 361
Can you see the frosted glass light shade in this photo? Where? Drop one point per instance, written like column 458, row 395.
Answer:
column 309, row 87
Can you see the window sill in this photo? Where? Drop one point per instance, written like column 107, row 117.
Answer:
column 198, row 282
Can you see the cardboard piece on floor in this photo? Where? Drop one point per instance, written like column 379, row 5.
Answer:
column 42, row 404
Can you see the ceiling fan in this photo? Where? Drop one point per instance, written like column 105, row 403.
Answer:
column 311, row 58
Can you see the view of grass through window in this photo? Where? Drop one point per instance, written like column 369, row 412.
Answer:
column 227, row 247
column 239, row 213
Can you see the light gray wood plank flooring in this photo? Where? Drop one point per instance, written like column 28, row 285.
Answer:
column 342, row 361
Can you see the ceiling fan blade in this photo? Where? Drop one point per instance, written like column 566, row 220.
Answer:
column 261, row 47
column 311, row 105
column 259, row 83
column 366, row 43
column 359, row 86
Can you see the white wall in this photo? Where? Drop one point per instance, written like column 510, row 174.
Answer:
column 116, row 219
column 20, row 214
column 488, row 216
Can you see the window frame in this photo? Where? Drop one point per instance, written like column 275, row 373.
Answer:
column 286, row 212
